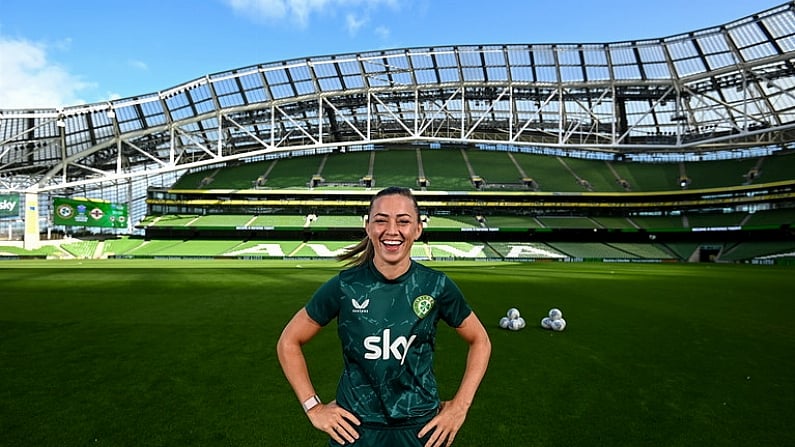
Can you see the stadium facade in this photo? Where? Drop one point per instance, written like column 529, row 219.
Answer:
column 726, row 92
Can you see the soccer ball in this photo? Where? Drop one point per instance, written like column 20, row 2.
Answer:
column 513, row 313
column 559, row 324
column 546, row 323
column 516, row 324
column 555, row 314
column 504, row 321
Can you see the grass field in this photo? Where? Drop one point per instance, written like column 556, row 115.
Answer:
column 149, row 353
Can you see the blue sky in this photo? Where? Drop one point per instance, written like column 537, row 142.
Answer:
column 55, row 54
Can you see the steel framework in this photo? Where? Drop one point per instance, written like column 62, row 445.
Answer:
column 721, row 88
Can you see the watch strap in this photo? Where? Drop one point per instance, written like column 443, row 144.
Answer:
column 311, row 403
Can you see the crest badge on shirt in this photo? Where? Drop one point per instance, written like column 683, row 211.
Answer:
column 422, row 305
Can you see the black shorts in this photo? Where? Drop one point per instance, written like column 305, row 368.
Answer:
column 386, row 436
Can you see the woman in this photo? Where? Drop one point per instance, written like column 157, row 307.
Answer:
column 387, row 307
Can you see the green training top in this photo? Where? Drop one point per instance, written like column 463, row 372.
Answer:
column 388, row 331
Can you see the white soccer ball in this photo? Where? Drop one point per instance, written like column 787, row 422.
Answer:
column 555, row 314
column 559, row 324
column 516, row 324
column 546, row 323
column 513, row 313
column 504, row 321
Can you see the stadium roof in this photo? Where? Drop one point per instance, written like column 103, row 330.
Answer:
column 725, row 87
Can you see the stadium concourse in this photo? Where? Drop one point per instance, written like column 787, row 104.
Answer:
column 672, row 149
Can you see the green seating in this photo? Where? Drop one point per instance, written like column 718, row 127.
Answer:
column 590, row 250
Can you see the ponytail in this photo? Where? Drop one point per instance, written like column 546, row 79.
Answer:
column 360, row 254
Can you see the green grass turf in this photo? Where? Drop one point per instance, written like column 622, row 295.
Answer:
column 149, row 353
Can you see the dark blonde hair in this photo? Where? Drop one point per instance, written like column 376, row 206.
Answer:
column 364, row 252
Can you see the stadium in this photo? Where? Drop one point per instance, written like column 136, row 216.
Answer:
column 554, row 175
column 683, row 141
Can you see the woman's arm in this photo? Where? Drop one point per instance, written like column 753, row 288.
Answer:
column 446, row 424
column 330, row 418
column 298, row 331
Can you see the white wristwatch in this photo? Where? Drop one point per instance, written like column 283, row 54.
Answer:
column 311, row 403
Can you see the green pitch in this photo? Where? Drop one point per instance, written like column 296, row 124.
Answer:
column 149, row 353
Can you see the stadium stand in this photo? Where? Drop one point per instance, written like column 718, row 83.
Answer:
column 508, row 160
column 81, row 249
column 750, row 250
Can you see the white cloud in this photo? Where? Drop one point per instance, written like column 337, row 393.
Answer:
column 138, row 65
column 260, row 9
column 382, row 32
column 298, row 11
column 29, row 80
column 353, row 24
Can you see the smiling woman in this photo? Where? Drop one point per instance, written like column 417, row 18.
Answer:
column 387, row 308
column 393, row 224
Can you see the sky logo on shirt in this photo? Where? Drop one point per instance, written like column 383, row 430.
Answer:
column 383, row 347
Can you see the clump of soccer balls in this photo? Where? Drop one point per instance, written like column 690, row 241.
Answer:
column 554, row 321
column 513, row 320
